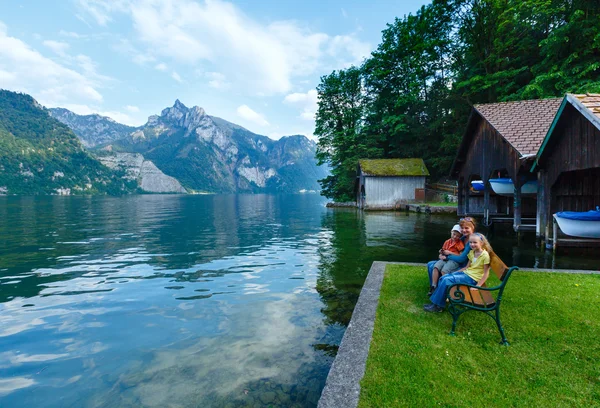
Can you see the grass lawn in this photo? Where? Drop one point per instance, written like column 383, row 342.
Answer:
column 442, row 204
column 552, row 322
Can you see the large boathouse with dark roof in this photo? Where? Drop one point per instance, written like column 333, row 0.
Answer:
column 383, row 183
column 501, row 140
column 568, row 162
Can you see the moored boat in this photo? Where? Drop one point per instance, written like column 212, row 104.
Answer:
column 579, row 224
column 477, row 185
column 505, row 186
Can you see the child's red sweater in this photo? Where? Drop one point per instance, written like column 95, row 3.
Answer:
column 456, row 247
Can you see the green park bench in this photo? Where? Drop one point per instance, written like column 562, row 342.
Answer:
column 484, row 299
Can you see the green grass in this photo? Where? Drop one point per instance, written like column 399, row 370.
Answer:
column 394, row 167
column 552, row 322
column 442, row 204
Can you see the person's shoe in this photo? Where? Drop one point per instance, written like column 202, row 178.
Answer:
column 431, row 290
column 433, row 308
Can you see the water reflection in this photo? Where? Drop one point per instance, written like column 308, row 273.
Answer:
column 189, row 301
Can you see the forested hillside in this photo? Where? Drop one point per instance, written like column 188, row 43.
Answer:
column 412, row 97
column 40, row 155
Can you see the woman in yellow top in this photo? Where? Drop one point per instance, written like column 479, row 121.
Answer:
column 475, row 273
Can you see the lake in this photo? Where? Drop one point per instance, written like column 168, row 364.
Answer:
column 212, row 301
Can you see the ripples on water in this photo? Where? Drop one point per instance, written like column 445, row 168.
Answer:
column 186, row 301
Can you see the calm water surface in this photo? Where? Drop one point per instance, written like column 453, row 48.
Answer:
column 211, row 301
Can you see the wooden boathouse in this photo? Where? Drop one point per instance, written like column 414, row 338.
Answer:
column 383, row 183
column 567, row 164
column 502, row 140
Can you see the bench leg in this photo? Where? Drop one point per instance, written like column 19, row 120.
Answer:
column 454, row 320
column 500, row 328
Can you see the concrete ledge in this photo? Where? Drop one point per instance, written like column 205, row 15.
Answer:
column 342, row 388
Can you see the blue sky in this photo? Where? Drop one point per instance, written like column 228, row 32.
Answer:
column 255, row 63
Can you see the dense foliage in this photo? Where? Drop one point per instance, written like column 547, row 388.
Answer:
column 40, row 155
column 412, row 97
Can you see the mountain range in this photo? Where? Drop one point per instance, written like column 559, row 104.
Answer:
column 181, row 150
column 204, row 153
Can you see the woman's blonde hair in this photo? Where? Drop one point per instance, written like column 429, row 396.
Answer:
column 485, row 244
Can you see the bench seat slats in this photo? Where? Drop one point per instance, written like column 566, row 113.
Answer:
column 481, row 298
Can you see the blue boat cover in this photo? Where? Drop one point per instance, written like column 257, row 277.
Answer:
column 501, row 180
column 477, row 185
column 592, row 215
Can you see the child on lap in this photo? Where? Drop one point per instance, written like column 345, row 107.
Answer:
column 475, row 273
column 444, row 265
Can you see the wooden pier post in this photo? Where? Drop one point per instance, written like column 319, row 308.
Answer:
column 540, row 219
column 486, row 203
column 460, row 197
column 467, row 194
column 517, row 206
column 554, row 235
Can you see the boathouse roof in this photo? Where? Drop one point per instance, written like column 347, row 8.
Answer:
column 393, row 167
column 523, row 124
column 587, row 104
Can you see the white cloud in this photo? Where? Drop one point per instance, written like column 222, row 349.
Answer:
column 133, row 109
column 120, row 117
column 59, row 47
column 161, row 67
column 89, row 68
column 217, row 80
column 245, row 112
column 101, row 10
column 265, row 58
column 25, row 69
column 307, row 101
column 176, row 77
column 70, row 34
column 305, row 132
column 126, row 48
column 348, row 50
column 8, row 385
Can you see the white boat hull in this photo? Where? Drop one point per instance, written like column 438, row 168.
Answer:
column 508, row 189
column 579, row 228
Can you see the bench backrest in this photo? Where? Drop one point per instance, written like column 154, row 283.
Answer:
column 498, row 267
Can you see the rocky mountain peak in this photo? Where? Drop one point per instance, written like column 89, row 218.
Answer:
column 194, row 118
column 179, row 105
column 182, row 116
column 175, row 113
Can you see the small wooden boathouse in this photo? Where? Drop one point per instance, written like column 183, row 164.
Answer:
column 383, row 183
column 567, row 165
column 501, row 140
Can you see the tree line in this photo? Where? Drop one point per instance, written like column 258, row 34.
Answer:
column 412, row 97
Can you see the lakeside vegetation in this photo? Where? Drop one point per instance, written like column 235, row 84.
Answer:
column 413, row 95
column 552, row 321
column 40, row 155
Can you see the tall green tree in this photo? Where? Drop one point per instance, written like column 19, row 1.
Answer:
column 570, row 51
column 407, row 81
column 412, row 97
column 339, row 122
